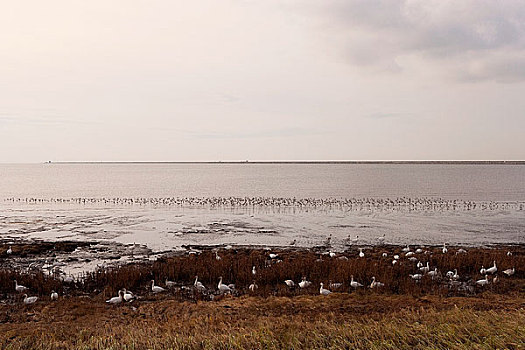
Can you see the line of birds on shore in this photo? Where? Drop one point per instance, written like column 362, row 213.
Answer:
column 416, row 203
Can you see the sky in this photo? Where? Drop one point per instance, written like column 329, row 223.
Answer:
column 228, row 80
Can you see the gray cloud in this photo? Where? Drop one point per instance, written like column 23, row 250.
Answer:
column 469, row 39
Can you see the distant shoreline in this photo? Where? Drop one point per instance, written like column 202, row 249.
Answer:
column 430, row 162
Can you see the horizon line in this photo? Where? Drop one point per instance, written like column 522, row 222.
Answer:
column 473, row 162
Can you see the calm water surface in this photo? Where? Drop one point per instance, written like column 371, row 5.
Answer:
column 169, row 227
column 468, row 182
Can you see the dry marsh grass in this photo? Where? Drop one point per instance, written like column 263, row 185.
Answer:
column 403, row 314
column 340, row 321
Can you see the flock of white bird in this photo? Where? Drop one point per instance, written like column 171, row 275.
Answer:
column 422, row 270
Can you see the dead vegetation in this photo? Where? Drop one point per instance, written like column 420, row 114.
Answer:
column 402, row 314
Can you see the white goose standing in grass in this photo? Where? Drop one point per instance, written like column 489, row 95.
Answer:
column 304, row 283
column 509, row 272
column 29, row 300
column 334, row 285
column 127, row 295
column 453, row 274
column 406, row 249
column 20, row 288
column 9, row 251
column 156, row 289
column 375, row 284
column 253, row 287
column 222, row 287
column 492, row 270
column 434, row 273
column 483, row 282
column 254, row 271
column 425, row 269
column 116, row 300
column 482, row 271
column 324, row 291
column 54, row 295
column 444, row 250
column 354, row 284
column 361, row 254
column 273, row 256
column 289, row 283
column 217, row 257
column 198, row 285
column 416, row 277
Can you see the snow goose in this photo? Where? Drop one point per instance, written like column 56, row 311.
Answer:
column 493, row 269
column 222, row 287
column 156, row 289
column 406, row 249
column 419, row 251
column 29, row 300
column 254, row 271
column 483, row 282
column 217, row 257
column 116, row 300
column 289, row 283
column 354, row 284
column 381, row 239
column 425, row 269
column 375, row 284
column 127, row 295
column 482, row 270
column 324, row 291
column 20, row 288
column 273, row 256
column 384, row 255
column 355, row 240
column 198, row 285
column 334, row 285
column 416, row 277
column 433, row 273
column 170, row 284
column 509, row 272
column 304, row 283
column 9, row 251
column 444, row 250
column 361, row 254
column 407, row 254
column 253, row 287
column 419, row 264
column 54, row 295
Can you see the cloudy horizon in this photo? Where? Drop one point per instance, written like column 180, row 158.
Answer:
column 227, row 80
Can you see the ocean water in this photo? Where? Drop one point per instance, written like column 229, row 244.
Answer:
column 165, row 206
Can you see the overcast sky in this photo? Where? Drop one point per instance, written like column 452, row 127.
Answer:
column 262, row 80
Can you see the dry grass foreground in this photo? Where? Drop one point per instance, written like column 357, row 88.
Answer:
column 339, row 321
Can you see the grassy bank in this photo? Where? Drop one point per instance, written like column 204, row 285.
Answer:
column 306, row 322
column 436, row 312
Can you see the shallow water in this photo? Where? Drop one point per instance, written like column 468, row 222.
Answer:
column 497, row 191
